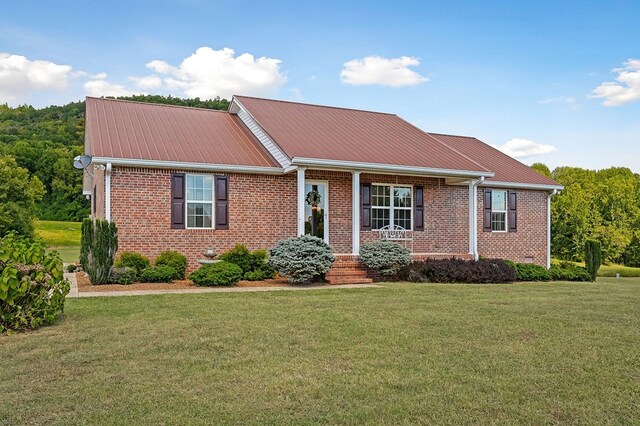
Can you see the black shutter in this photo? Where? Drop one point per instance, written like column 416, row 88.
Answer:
column 365, row 206
column 177, row 200
column 487, row 211
column 418, row 209
column 222, row 202
column 513, row 211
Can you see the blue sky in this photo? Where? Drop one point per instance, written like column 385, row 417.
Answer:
column 519, row 75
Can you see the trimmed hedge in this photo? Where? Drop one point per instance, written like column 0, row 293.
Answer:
column 385, row 256
column 531, row 272
column 569, row 272
column 175, row 260
column 458, row 271
column 214, row 274
column 158, row 274
column 131, row 259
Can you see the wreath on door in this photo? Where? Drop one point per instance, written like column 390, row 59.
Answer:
column 313, row 198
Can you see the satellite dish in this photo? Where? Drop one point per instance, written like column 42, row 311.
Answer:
column 82, row 161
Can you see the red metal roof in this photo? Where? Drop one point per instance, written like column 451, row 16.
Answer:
column 506, row 168
column 321, row 132
column 137, row 130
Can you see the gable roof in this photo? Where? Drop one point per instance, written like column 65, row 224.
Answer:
column 506, row 168
column 117, row 129
column 330, row 133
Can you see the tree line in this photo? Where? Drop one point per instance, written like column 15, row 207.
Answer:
column 602, row 205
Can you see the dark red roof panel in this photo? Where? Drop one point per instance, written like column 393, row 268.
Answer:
column 506, row 168
column 137, row 130
column 321, row 132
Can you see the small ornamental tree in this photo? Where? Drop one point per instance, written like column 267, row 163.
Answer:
column 592, row 257
column 301, row 259
column 98, row 246
column 385, row 256
column 32, row 287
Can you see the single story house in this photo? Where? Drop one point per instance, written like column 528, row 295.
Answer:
column 189, row 179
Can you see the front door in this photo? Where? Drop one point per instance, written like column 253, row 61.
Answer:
column 316, row 209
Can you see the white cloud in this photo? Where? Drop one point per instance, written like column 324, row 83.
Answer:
column 209, row 73
column 101, row 87
column 377, row 70
column 20, row 76
column 519, row 148
column 568, row 101
column 625, row 89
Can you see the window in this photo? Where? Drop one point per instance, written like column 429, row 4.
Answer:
column 199, row 201
column 498, row 210
column 391, row 204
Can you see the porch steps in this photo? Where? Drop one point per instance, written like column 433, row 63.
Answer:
column 347, row 272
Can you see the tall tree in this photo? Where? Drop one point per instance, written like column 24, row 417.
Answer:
column 18, row 197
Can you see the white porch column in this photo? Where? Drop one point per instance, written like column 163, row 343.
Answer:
column 551, row 194
column 472, row 215
column 301, row 196
column 107, row 193
column 355, row 212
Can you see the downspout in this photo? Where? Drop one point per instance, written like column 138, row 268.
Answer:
column 107, row 193
column 551, row 194
column 476, row 256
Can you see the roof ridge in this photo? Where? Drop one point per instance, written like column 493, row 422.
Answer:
column 449, row 134
column 102, row 98
column 315, row 105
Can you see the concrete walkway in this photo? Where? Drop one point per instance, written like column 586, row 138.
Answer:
column 75, row 293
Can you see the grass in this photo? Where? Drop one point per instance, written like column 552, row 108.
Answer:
column 404, row 353
column 611, row 269
column 64, row 237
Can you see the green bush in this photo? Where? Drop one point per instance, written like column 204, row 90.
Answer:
column 131, row 259
column 592, row 257
column 566, row 271
column 32, row 287
column 122, row 275
column 174, row 259
column 531, row 272
column 214, row 274
column 301, row 259
column 264, row 273
column 384, row 256
column 253, row 264
column 157, row 274
column 72, row 267
column 98, row 245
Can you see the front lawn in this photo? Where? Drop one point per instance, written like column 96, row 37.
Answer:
column 403, row 353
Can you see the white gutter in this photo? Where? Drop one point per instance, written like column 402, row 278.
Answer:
column 386, row 168
column 516, row 185
column 551, row 194
column 131, row 162
column 107, row 193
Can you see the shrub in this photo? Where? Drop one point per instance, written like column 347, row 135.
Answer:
column 592, row 257
column 131, row 259
column 458, row 271
column 72, row 267
column 568, row 272
column 219, row 273
column 384, row 256
column 301, row 259
column 174, row 259
column 264, row 273
column 99, row 243
column 122, row 275
column 239, row 255
column 532, row 272
column 157, row 274
column 32, row 287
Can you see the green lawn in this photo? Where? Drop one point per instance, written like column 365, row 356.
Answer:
column 611, row 269
column 63, row 237
column 404, row 353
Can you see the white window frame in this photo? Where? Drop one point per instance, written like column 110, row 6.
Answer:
column 391, row 207
column 505, row 211
column 212, row 202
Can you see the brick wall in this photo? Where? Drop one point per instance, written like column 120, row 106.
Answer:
column 530, row 241
column 262, row 211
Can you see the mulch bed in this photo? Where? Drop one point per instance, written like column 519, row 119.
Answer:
column 84, row 284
